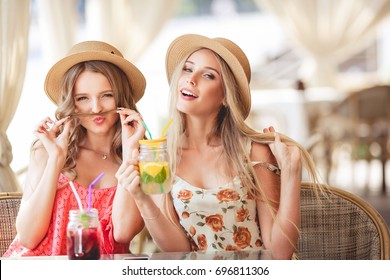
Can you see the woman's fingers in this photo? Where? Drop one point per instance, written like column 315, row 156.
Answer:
column 269, row 129
column 277, row 137
column 123, row 169
column 60, row 122
column 128, row 172
column 43, row 125
column 128, row 116
column 56, row 127
column 132, row 120
column 285, row 154
column 48, row 125
column 131, row 163
column 128, row 176
column 122, row 110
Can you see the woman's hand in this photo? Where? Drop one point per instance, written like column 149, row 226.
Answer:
column 55, row 145
column 132, row 131
column 128, row 176
column 288, row 157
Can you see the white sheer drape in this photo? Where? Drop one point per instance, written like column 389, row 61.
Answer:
column 58, row 23
column 130, row 25
column 327, row 30
column 14, row 27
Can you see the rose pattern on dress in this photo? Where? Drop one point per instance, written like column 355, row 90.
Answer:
column 185, row 215
column 202, row 242
column 227, row 195
column 242, row 237
column 192, row 230
column 215, row 222
column 241, row 214
column 220, row 219
column 184, row 195
column 231, row 248
column 258, row 243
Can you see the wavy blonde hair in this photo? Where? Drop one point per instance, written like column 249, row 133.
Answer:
column 234, row 133
column 123, row 96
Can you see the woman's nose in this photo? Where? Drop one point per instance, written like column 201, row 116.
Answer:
column 96, row 106
column 191, row 80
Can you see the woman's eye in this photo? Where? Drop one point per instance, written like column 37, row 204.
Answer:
column 209, row 76
column 108, row 95
column 81, row 98
column 186, row 69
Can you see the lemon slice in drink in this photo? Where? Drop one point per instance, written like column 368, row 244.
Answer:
column 156, row 172
column 152, row 168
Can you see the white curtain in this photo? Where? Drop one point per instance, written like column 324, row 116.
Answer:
column 14, row 28
column 327, row 30
column 130, row 25
column 58, row 23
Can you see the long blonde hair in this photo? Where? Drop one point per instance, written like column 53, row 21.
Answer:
column 123, row 97
column 234, row 134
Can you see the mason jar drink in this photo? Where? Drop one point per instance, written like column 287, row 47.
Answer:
column 83, row 235
column 154, row 166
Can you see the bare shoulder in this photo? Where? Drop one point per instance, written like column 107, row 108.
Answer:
column 261, row 152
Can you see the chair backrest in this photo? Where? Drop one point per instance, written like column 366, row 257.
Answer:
column 338, row 225
column 9, row 207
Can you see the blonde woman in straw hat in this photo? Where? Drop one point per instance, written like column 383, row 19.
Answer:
column 234, row 188
column 96, row 91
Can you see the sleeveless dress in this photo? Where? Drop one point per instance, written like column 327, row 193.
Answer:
column 219, row 219
column 54, row 242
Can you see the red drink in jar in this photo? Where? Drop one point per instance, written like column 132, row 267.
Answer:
column 83, row 235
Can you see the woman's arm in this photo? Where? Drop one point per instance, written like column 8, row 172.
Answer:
column 167, row 236
column 280, row 233
column 126, row 217
column 46, row 163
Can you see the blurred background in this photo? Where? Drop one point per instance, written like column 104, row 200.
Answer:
column 320, row 72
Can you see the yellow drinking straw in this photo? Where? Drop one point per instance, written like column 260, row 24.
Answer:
column 166, row 128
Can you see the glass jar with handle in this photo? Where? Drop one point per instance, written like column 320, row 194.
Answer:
column 83, row 235
column 154, row 166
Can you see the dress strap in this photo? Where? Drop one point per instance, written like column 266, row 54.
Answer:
column 269, row 166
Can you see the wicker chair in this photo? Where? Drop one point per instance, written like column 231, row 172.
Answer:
column 9, row 207
column 338, row 225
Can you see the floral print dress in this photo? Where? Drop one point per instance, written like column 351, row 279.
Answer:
column 220, row 219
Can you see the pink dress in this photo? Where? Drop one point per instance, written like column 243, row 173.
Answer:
column 54, row 242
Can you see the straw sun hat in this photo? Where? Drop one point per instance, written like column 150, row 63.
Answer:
column 93, row 50
column 185, row 45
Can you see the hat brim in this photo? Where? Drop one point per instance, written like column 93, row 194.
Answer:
column 185, row 45
column 58, row 70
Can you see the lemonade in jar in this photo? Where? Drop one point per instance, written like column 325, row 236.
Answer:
column 154, row 166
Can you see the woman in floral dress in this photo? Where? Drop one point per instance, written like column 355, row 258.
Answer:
column 233, row 188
